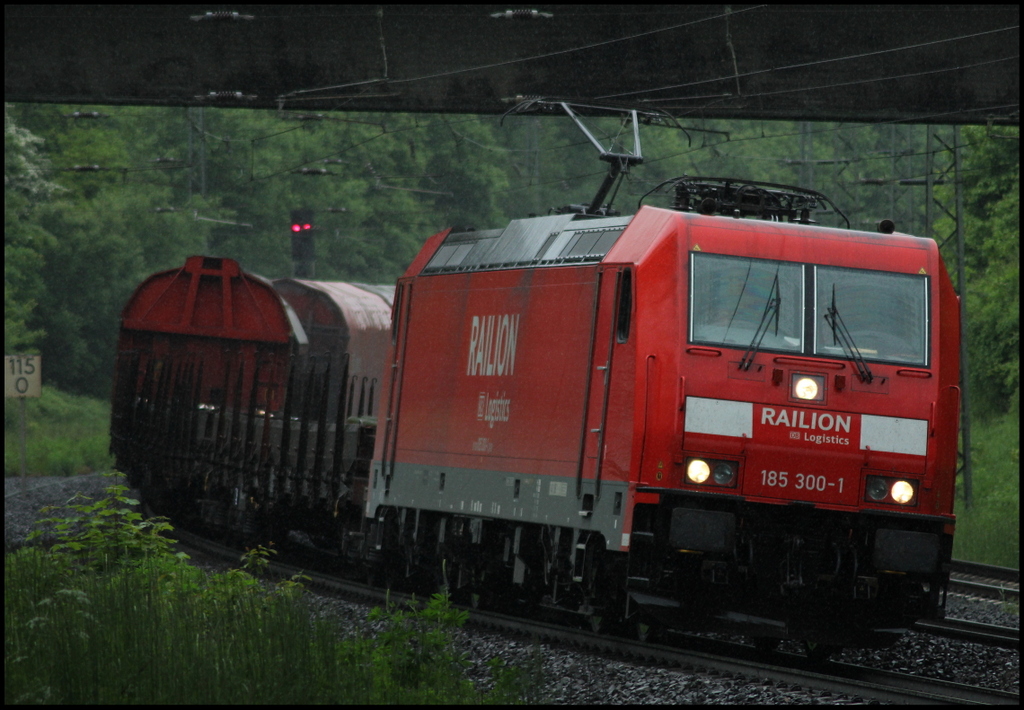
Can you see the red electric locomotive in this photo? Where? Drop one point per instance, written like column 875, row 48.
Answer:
column 683, row 417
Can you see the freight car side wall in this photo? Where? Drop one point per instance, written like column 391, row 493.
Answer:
column 489, row 415
column 341, row 318
column 210, row 318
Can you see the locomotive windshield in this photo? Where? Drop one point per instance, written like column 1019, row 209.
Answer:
column 885, row 313
column 731, row 295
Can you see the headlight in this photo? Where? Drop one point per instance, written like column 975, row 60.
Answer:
column 712, row 472
column 898, row 491
column 877, row 488
column 724, row 473
column 810, row 388
column 902, row 492
column 698, row 470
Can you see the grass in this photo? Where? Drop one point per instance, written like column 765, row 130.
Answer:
column 66, row 435
column 989, row 531
column 112, row 615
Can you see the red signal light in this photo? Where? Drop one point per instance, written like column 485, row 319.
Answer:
column 302, row 220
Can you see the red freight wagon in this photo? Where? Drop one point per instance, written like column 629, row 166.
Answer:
column 699, row 419
column 344, row 318
column 208, row 311
column 225, row 410
column 199, row 346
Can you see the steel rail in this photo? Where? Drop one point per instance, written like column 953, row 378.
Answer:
column 987, row 581
column 977, row 569
column 972, row 631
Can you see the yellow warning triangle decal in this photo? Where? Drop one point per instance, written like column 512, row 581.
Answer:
column 696, row 247
column 922, row 271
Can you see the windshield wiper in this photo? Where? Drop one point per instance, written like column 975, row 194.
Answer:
column 841, row 335
column 771, row 307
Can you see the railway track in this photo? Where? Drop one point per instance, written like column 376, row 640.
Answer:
column 986, row 581
column 681, row 651
column 972, row 631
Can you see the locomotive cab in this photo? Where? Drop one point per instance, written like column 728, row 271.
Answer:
column 797, row 475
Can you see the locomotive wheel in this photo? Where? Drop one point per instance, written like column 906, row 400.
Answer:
column 607, row 622
column 608, row 625
column 484, row 597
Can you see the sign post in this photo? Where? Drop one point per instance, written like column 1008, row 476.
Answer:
column 23, row 378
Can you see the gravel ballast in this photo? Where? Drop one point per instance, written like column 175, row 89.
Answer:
column 566, row 676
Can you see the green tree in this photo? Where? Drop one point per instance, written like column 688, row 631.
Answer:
column 991, row 174
column 72, row 260
column 26, row 186
column 78, row 242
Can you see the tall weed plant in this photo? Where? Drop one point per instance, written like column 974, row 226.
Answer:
column 64, row 435
column 111, row 614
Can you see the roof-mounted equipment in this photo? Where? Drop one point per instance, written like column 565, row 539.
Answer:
column 747, row 198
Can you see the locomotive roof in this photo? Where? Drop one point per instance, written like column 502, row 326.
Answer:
column 537, row 241
column 567, row 239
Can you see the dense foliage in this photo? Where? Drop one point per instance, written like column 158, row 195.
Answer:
column 77, row 241
column 992, row 259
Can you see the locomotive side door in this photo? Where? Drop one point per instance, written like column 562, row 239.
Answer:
column 399, row 325
column 592, row 439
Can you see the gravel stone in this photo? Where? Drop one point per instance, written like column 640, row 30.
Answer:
column 23, row 499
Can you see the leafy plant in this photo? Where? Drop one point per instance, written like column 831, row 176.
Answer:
column 101, row 534
column 414, row 657
column 414, row 647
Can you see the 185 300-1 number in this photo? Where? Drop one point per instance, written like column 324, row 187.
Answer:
column 799, row 481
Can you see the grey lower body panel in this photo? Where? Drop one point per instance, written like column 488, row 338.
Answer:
column 515, row 497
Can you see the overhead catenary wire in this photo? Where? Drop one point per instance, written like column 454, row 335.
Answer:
column 510, row 62
column 924, row 118
column 806, row 65
column 844, row 84
column 448, row 121
column 730, row 77
column 531, row 183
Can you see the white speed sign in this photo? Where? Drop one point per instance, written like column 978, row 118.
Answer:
column 23, row 376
